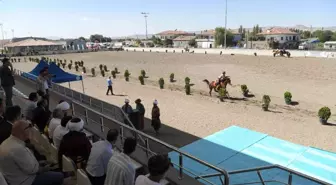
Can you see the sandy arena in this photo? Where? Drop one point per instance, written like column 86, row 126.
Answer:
column 311, row 81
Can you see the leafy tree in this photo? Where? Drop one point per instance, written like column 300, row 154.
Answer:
column 219, row 37
column 138, row 42
column 306, row 34
column 96, row 37
column 167, row 42
column 150, row 44
column 192, row 43
column 157, row 41
column 333, row 37
column 82, row 38
column 323, row 36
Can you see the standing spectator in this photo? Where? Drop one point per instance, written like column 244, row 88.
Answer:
column 7, row 80
column 42, row 86
column 109, row 86
column 60, row 131
column 11, row 115
column 120, row 170
column 156, row 122
column 127, row 108
column 54, row 122
column 100, row 155
column 64, row 106
column 32, row 104
column 158, row 166
column 41, row 115
column 141, row 109
column 18, row 164
column 75, row 144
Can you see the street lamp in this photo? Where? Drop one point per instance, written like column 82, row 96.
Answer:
column 225, row 24
column 2, row 32
column 145, row 15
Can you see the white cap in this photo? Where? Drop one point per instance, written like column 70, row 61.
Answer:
column 127, row 101
column 155, row 102
column 75, row 126
column 63, row 106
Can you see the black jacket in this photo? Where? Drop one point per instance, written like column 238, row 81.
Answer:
column 41, row 117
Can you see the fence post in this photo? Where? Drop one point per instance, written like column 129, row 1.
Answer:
column 290, row 179
column 80, row 97
column 180, row 177
column 90, row 101
column 73, row 108
column 147, row 147
column 121, row 136
column 102, row 106
column 86, row 116
column 102, row 123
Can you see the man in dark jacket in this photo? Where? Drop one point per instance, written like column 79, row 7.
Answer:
column 7, row 80
column 75, row 144
column 141, row 109
column 41, row 115
column 11, row 115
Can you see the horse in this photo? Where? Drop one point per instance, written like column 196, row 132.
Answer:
column 281, row 53
column 222, row 84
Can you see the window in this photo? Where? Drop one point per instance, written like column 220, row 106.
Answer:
column 294, row 38
column 286, row 38
column 281, row 38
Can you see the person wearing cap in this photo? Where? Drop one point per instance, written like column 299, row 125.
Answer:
column 158, row 166
column 7, row 80
column 63, row 106
column 141, row 109
column 156, row 122
column 75, row 144
column 127, row 108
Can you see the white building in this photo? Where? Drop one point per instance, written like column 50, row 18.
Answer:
column 330, row 45
column 171, row 34
column 205, row 43
column 281, row 35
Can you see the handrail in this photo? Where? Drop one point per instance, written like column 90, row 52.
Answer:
column 267, row 168
column 182, row 154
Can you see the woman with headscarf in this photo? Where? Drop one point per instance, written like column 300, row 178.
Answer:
column 156, row 122
column 75, row 144
column 141, row 109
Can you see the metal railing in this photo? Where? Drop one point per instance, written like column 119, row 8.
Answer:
column 262, row 181
column 105, row 122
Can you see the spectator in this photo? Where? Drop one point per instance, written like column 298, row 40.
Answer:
column 42, row 86
column 7, row 80
column 141, row 109
column 60, row 131
column 54, row 122
column 100, row 155
column 158, row 166
column 11, row 115
column 109, row 86
column 32, row 104
column 126, row 107
column 120, row 169
column 64, row 106
column 18, row 164
column 75, row 144
column 156, row 122
column 41, row 115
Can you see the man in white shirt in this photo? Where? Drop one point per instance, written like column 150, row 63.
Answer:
column 32, row 104
column 60, row 131
column 18, row 164
column 120, row 170
column 101, row 152
column 54, row 122
column 64, row 106
column 158, row 166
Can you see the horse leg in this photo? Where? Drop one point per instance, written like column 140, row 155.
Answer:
column 210, row 91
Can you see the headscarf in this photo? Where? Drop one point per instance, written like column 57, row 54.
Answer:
column 75, row 124
column 127, row 101
column 155, row 102
column 64, row 106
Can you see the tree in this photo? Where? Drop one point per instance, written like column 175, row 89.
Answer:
column 96, row 38
column 219, row 37
column 323, row 36
column 157, row 41
column 306, row 34
column 333, row 37
column 82, row 38
column 167, row 42
column 192, row 43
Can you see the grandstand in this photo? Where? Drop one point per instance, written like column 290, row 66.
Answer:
column 101, row 116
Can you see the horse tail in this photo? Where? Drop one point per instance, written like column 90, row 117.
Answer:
column 206, row 81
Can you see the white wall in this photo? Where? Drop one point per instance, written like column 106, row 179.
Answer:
column 284, row 37
column 206, row 44
column 294, row 53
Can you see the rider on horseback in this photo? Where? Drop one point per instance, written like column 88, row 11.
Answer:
column 220, row 78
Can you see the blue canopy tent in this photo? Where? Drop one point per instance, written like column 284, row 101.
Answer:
column 60, row 75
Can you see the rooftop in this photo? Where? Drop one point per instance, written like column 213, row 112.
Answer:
column 31, row 42
column 173, row 32
column 277, row 31
column 184, row 38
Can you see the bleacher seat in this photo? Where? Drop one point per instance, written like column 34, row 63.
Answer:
column 44, row 144
column 68, row 164
column 35, row 136
column 53, row 153
column 2, row 180
column 82, row 178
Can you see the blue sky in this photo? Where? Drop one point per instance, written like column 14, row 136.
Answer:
column 74, row 18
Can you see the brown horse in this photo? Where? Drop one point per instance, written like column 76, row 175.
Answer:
column 222, row 84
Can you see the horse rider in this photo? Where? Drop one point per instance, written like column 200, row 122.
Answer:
column 220, row 78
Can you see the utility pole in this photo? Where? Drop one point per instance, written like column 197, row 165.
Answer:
column 225, row 24
column 2, row 32
column 145, row 15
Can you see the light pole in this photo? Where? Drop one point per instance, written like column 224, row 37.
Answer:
column 145, row 15
column 12, row 33
column 2, row 32
column 225, row 24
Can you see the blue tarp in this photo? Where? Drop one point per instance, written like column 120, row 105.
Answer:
column 61, row 76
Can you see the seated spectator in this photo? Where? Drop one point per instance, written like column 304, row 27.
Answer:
column 11, row 115
column 41, row 115
column 64, row 106
column 60, row 131
column 75, row 144
column 18, row 164
column 32, row 104
column 100, row 155
column 120, row 169
column 54, row 122
column 158, row 166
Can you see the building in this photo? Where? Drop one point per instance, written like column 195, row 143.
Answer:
column 206, row 38
column 182, row 41
column 171, row 34
column 32, row 45
column 285, row 37
column 330, row 45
